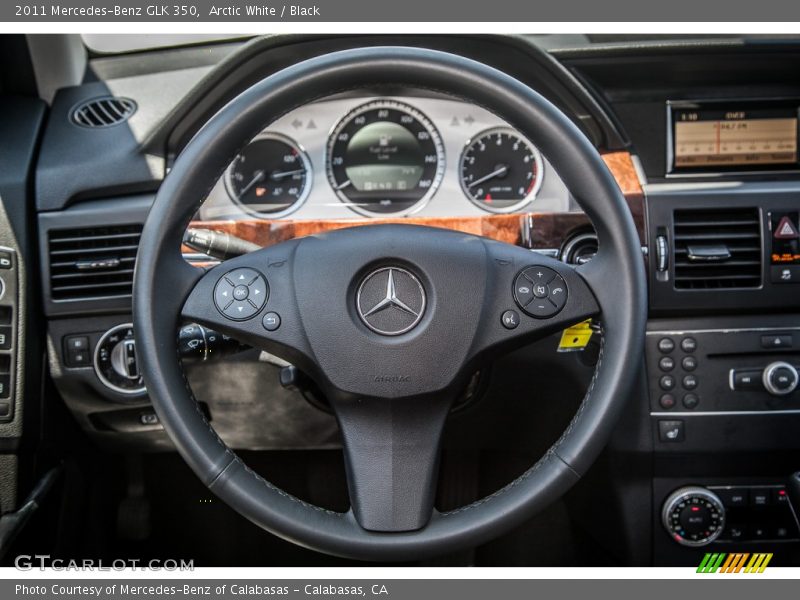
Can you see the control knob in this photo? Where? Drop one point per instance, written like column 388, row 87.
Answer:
column 780, row 378
column 693, row 516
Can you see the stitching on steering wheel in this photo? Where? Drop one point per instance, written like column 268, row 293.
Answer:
column 553, row 451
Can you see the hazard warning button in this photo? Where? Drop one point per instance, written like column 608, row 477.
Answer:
column 785, row 229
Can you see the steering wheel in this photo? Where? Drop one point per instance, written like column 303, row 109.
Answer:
column 389, row 320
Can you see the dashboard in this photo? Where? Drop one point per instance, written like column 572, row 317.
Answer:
column 386, row 156
column 702, row 139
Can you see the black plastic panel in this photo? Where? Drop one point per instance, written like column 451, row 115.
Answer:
column 637, row 81
column 100, row 213
column 664, row 199
column 717, row 352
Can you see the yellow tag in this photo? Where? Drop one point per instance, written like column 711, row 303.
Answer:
column 576, row 337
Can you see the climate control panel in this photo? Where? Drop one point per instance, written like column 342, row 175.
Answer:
column 700, row 515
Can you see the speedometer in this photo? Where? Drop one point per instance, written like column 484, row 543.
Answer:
column 385, row 158
column 500, row 170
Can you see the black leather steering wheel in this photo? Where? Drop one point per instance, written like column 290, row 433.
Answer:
column 442, row 296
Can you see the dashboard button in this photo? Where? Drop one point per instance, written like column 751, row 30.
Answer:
column 690, row 382
column 776, row 341
column 691, row 401
column 666, row 345
column 671, row 431
column 667, row 363
column 758, row 532
column 5, row 338
column 760, row 497
column 733, row 496
column 779, row 496
column 6, row 259
column 5, row 410
column 667, row 382
column 747, row 379
column 667, row 401
column 688, row 344
column 787, row 274
column 689, row 363
column 5, row 386
column 736, row 532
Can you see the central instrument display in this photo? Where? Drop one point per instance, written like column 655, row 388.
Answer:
column 727, row 138
column 385, row 158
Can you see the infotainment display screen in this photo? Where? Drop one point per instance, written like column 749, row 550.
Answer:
column 708, row 138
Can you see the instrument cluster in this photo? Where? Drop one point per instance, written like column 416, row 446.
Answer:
column 386, row 157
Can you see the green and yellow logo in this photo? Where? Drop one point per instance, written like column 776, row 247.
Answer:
column 744, row 562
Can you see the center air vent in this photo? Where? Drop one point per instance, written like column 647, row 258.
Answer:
column 718, row 248
column 103, row 112
column 93, row 262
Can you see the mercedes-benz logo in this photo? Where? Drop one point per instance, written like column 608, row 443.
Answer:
column 390, row 301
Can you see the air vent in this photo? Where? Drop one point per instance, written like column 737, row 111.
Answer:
column 92, row 263
column 717, row 248
column 103, row 112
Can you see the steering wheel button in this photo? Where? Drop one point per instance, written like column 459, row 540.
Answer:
column 240, row 292
column 240, row 309
column 558, row 292
column 223, row 294
column 258, row 292
column 539, row 275
column 510, row 319
column 541, row 309
column 271, row 321
column 540, row 290
column 523, row 291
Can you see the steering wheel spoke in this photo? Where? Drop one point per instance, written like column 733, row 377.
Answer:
column 530, row 297
column 391, row 449
column 251, row 298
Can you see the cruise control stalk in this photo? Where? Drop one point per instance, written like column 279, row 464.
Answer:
column 217, row 244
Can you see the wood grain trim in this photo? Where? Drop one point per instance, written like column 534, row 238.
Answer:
column 549, row 229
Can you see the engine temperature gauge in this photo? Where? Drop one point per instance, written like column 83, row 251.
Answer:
column 500, row 170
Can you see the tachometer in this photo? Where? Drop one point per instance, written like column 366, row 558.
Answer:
column 385, row 157
column 500, row 170
column 271, row 176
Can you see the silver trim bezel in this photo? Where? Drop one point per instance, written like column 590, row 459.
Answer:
column 408, row 109
column 679, row 495
column 537, row 159
column 271, row 135
column 98, row 372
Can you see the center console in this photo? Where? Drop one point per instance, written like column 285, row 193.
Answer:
column 722, row 356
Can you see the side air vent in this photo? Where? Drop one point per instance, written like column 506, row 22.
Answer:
column 92, row 263
column 718, row 248
column 103, row 112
